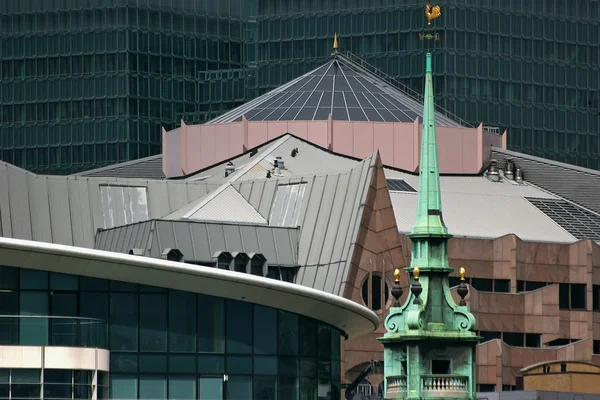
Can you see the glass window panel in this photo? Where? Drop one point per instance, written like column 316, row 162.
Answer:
column 211, row 388
column 182, row 387
column 288, row 388
column 241, row 365
column 31, row 279
column 308, row 337
column 25, row 391
column 116, row 286
column 153, row 322
column 288, row 366
column 60, row 281
column 182, row 364
column 124, row 362
column 82, row 377
column 26, row 375
column 238, row 314
column 324, row 341
column 265, row 330
column 308, row 389
column 54, row 391
column 288, row 333
column 335, row 344
column 182, row 321
column 211, row 364
column 239, row 388
column 153, row 387
column 153, row 363
column 9, row 276
column 265, row 388
column 33, row 331
column 123, row 322
column 265, row 365
column 211, row 321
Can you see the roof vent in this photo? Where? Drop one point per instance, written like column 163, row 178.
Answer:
column 172, row 254
column 493, row 172
column 253, row 152
column 509, row 172
column 519, row 175
column 136, row 252
column 295, row 152
column 278, row 163
column 229, row 169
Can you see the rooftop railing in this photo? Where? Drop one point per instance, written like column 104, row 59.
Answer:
column 33, row 330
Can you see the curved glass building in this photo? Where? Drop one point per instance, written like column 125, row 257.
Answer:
column 172, row 338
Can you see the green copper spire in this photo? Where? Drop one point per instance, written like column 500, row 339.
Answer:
column 429, row 212
column 429, row 344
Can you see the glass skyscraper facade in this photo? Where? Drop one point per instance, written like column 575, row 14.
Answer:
column 88, row 82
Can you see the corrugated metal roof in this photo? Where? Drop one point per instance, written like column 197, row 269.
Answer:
column 577, row 184
column 329, row 216
column 309, row 159
column 69, row 209
column 199, row 241
column 145, row 168
column 228, row 206
column 341, row 88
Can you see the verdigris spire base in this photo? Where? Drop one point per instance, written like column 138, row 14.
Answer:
column 430, row 341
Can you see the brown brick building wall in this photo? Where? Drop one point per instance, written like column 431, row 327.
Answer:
column 537, row 298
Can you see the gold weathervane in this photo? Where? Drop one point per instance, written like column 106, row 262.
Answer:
column 432, row 13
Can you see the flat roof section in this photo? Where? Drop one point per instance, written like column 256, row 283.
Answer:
column 346, row 315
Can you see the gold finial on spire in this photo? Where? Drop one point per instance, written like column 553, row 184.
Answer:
column 335, row 41
column 461, row 273
column 432, row 13
column 416, row 272
column 397, row 275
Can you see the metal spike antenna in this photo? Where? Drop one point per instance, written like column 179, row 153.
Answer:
column 335, row 42
column 429, row 220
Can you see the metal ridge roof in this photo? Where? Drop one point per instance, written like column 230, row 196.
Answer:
column 339, row 87
column 577, row 184
column 147, row 167
column 346, row 315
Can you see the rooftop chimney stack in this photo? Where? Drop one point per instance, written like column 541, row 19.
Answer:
column 519, row 175
column 509, row 174
column 493, row 171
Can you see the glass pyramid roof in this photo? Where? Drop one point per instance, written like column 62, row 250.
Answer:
column 341, row 88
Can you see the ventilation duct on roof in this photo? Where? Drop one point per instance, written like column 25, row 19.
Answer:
column 294, row 152
column 278, row 163
column 493, row 173
column 229, row 169
column 509, row 172
column 172, row 254
column 519, row 175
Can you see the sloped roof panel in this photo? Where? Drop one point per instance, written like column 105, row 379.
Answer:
column 484, row 216
column 577, row 184
column 228, row 206
column 144, row 168
column 341, row 88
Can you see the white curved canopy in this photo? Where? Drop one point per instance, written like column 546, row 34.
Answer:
column 346, row 315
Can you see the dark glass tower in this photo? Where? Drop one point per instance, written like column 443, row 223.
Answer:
column 87, row 83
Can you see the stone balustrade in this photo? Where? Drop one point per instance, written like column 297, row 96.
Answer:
column 444, row 385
